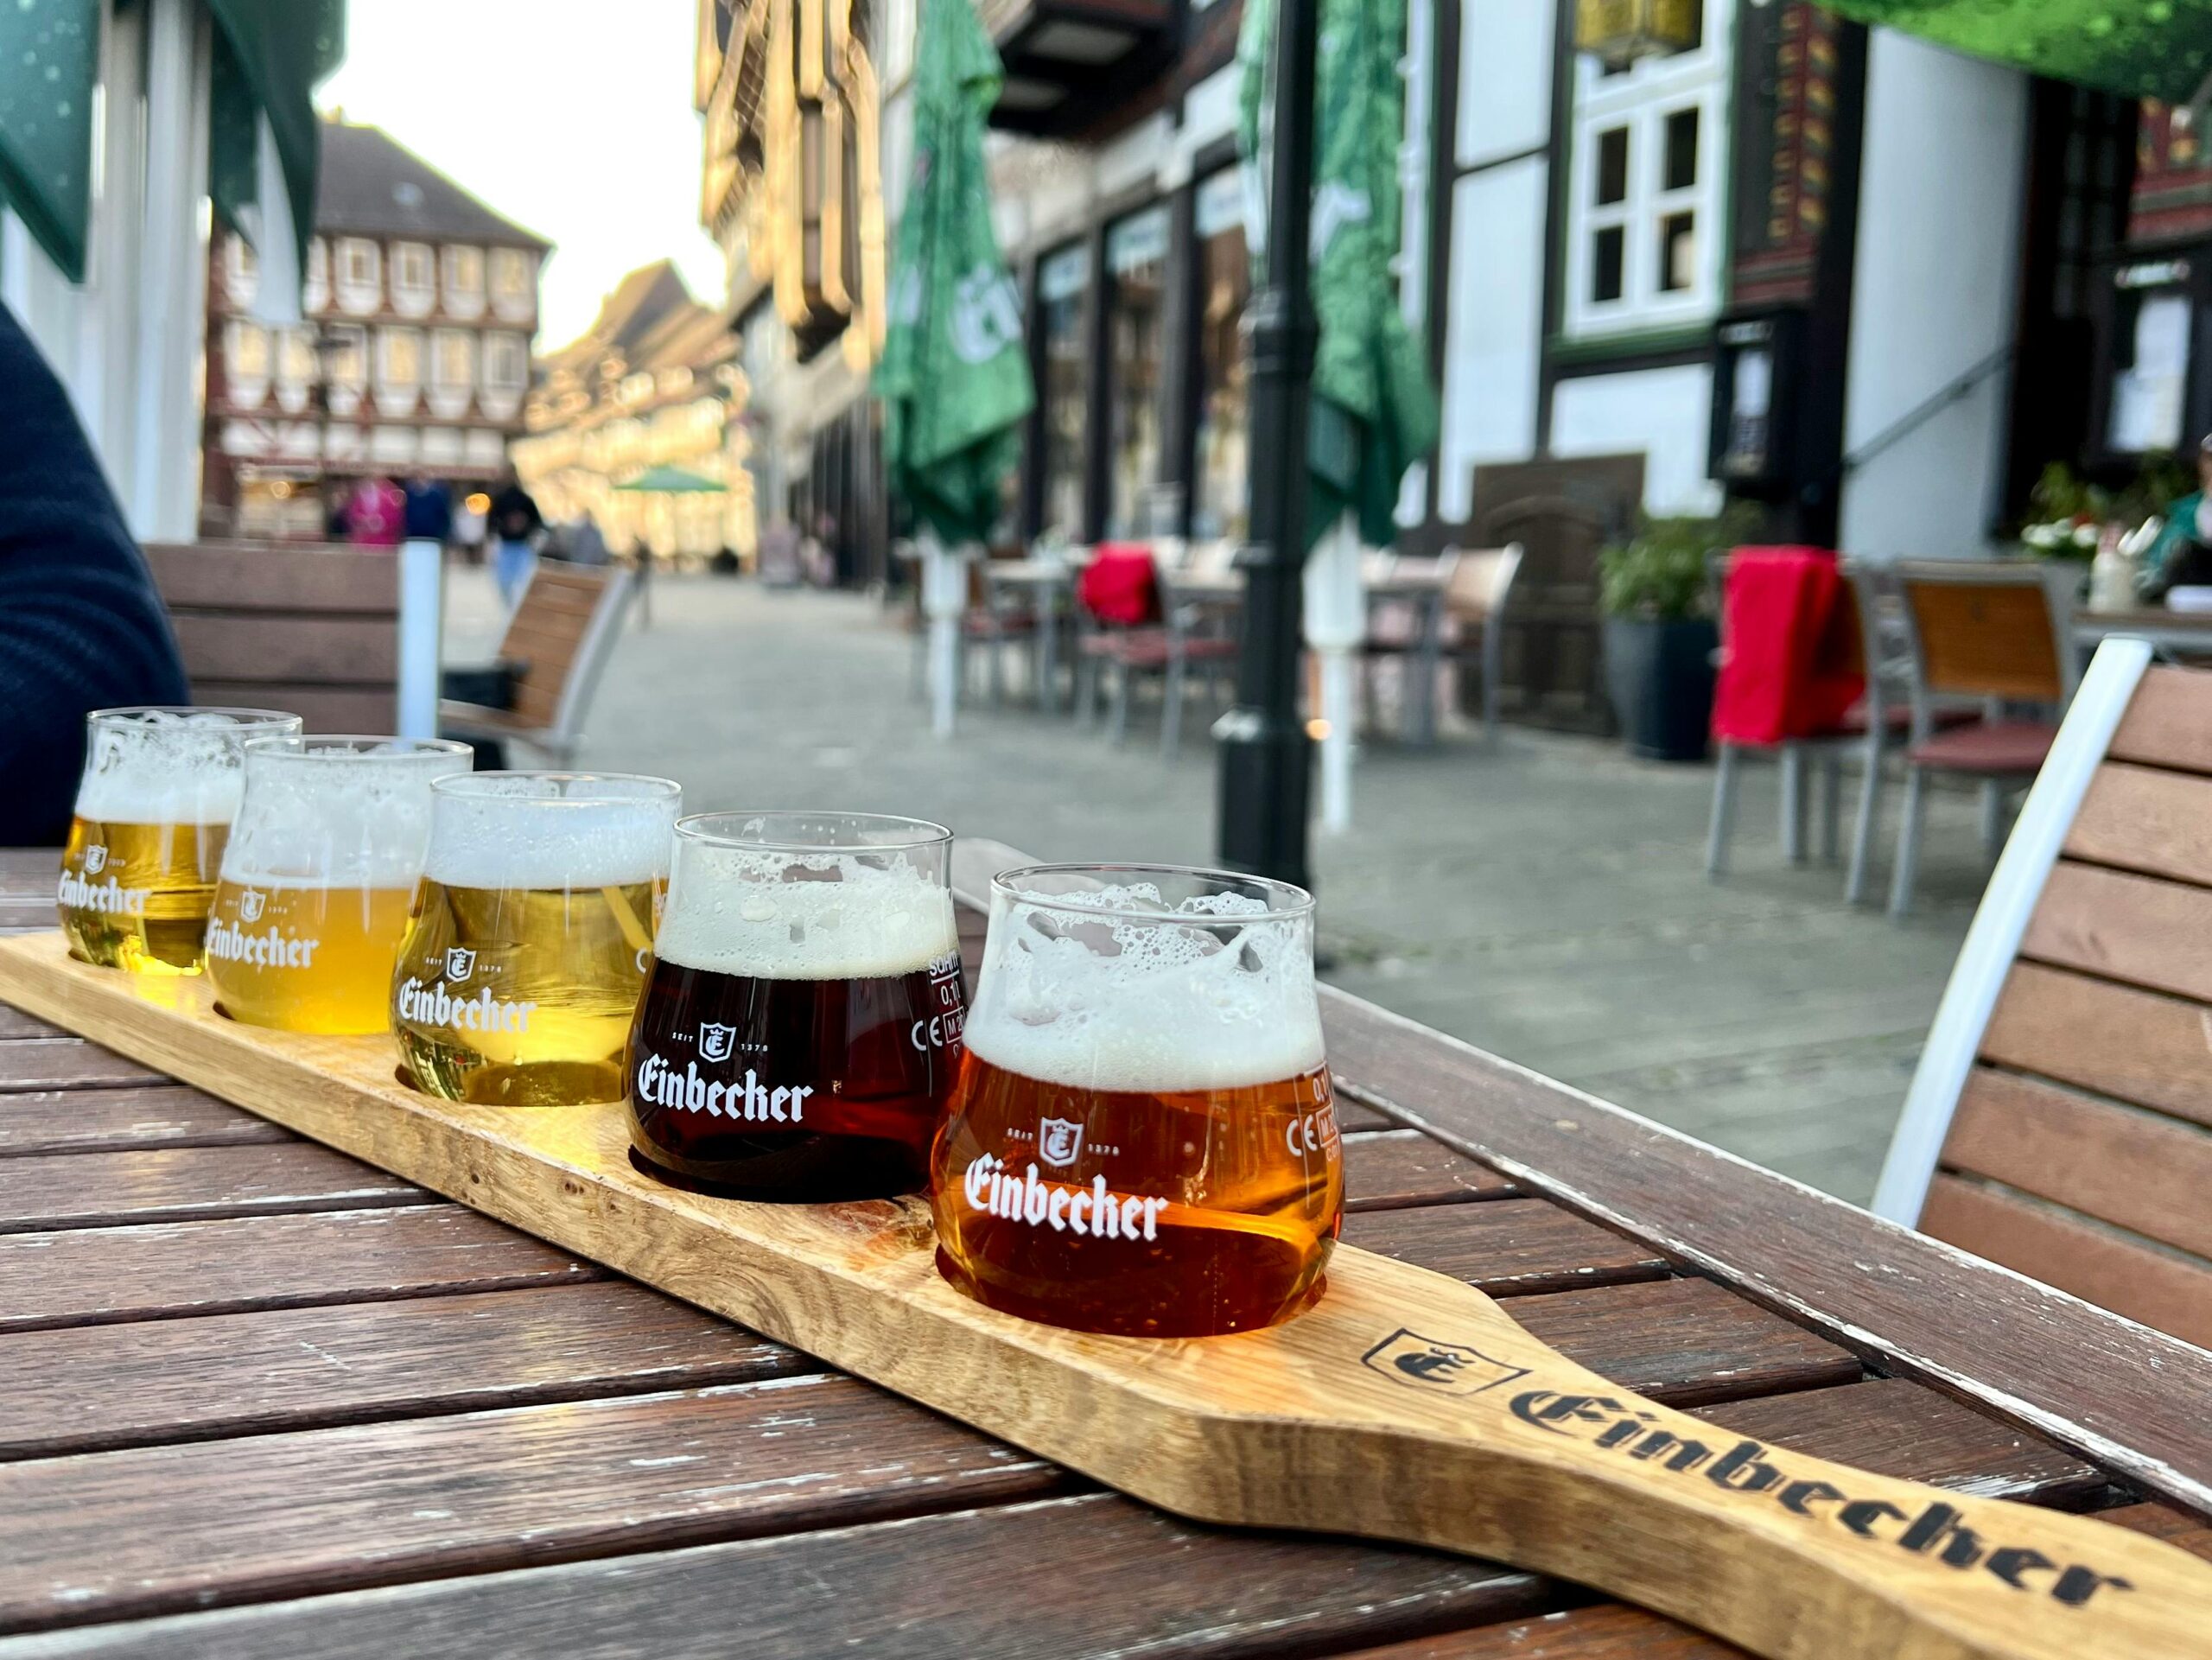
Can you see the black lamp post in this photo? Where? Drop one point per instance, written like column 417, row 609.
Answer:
column 1265, row 752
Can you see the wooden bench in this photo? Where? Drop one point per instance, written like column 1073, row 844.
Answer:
column 2061, row 1119
column 562, row 634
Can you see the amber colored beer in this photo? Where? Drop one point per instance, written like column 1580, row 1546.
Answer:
column 135, row 896
column 1086, row 1208
column 306, row 958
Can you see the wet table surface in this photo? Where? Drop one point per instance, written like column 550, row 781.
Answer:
column 259, row 1400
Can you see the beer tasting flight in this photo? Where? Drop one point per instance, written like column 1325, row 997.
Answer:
column 1129, row 1130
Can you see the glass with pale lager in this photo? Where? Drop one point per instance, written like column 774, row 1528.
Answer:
column 801, row 1025
column 153, row 808
column 532, row 931
column 319, row 876
column 1143, row 1142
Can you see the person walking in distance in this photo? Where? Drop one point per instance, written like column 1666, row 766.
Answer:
column 515, row 519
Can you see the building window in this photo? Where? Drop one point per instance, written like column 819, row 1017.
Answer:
column 241, row 269
column 2150, row 386
column 411, row 268
column 345, row 355
column 1136, row 287
column 512, row 282
column 1063, row 286
column 453, row 358
column 315, row 292
column 358, row 262
column 1218, row 489
column 399, row 357
column 246, row 351
column 506, row 363
column 295, row 357
column 1645, row 187
column 464, row 274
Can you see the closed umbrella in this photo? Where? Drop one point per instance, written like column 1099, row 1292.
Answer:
column 955, row 377
column 1373, row 411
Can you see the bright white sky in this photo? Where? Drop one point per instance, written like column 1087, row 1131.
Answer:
column 573, row 118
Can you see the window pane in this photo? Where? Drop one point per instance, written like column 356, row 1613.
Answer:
column 1062, row 282
column 1677, row 252
column 1606, row 263
column 1681, row 150
column 1612, row 166
column 1136, row 251
column 1217, row 505
column 2150, row 392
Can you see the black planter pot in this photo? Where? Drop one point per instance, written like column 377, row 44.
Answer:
column 1660, row 677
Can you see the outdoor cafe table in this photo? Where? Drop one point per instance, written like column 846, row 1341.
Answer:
column 2180, row 632
column 259, row 1400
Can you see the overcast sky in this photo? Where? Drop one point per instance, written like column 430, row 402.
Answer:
column 571, row 117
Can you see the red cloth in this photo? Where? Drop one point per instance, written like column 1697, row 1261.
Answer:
column 1119, row 585
column 1791, row 665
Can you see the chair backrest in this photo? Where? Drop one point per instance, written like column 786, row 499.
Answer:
column 1989, row 628
column 563, row 630
column 311, row 629
column 1480, row 580
column 1210, row 559
column 2061, row 1122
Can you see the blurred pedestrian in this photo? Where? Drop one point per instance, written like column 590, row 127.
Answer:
column 582, row 545
column 468, row 526
column 515, row 523
column 429, row 510
column 376, row 515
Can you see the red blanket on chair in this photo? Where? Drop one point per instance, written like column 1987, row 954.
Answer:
column 1791, row 663
column 1119, row 585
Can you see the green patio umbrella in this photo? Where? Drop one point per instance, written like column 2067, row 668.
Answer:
column 667, row 481
column 2141, row 48
column 955, row 375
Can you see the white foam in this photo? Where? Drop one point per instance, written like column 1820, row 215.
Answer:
column 729, row 912
column 491, row 834
column 164, row 768
column 1124, row 1005
column 336, row 817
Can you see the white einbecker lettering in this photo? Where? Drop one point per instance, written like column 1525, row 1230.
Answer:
column 270, row 948
column 1091, row 1212
column 660, row 1084
column 432, row 1005
column 110, row 898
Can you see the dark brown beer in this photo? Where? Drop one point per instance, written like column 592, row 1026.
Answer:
column 793, row 1088
column 1142, row 1213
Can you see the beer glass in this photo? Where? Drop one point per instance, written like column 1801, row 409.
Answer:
column 1143, row 1141
column 319, row 876
column 531, row 933
column 801, row 1026
column 160, row 789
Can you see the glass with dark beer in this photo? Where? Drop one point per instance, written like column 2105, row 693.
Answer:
column 531, row 932
column 1143, row 1141
column 154, row 809
column 801, row 1023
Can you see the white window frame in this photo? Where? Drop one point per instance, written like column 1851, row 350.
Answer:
column 521, row 301
column 358, row 294
column 414, row 296
column 464, row 297
column 495, row 344
column 441, row 339
column 344, row 341
column 1641, row 100
column 387, row 338
column 243, row 337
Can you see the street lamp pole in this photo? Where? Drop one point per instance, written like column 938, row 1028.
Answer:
column 1265, row 752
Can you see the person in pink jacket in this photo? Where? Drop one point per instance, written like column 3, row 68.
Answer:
column 377, row 516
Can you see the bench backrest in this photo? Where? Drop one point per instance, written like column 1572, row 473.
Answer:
column 311, row 629
column 563, row 630
column 2080, row 1148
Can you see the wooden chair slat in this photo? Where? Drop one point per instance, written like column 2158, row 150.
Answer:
column 37, row 1122
column 173, row 1269
column 1982, row 639
column 2141, row 1171
column 2138, row 818
column 2136, row 1046
column 1403, row 1168
column 2124, row 927
column 66, row 1064
column 303, row 650
column 2169, row 722
column 228, row 577
column 325, row 709
column 104, row 1190
column 2097, row 1264
column 1508, row 1247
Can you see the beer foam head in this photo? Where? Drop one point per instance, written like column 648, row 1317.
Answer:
column 1120, row 987
column 337, row 812
column 550, row 830
column 740, row 906
column 170, row 765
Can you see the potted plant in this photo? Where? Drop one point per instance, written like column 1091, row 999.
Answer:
column 1660, row 634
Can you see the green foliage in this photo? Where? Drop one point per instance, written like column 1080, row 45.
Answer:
column 2065, row 511
column 1660, row 572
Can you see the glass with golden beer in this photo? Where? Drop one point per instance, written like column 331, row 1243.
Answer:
column 319, row 878
column 801, row 1025
column 154, row 809
column 1143, row 1141
column 532, row 931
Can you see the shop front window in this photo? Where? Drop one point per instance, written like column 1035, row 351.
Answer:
column 2150, row 385
column 1136, row 271
column 1219, row 489
column 1063, row 284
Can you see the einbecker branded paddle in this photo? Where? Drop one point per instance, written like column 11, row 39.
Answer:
column 1404, row 1406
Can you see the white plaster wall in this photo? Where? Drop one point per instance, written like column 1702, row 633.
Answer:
column 1505, row 77
column 1493, row 327
column 1666, row 413
column 1932, row 289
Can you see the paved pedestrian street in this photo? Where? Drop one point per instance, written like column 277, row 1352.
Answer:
column 1546, row 901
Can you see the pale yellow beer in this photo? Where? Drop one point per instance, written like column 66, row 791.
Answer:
column 153, row 810
column 533, row 930
column 319, row 877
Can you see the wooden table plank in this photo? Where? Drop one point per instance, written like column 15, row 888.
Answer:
column 1508, row 1247
column 14, row 1023
column 1392, row 1169
column 2176, row 1527
column 171, row 1268
column 97, row 1387
column 66, row 1064
column 1608, row 1631
column 160, row 1114
column 107, row 1536
column 90, row 1190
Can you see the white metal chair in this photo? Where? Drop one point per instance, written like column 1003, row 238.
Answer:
column 563, row 634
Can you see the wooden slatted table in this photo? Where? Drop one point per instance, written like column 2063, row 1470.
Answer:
column 259, row 1400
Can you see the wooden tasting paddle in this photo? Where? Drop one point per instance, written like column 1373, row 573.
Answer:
column 1404, row 1406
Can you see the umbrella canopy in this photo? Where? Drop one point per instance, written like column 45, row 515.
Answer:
column 1374, row 412
column 2141, row 48
column 672, row 482
column 955, row 375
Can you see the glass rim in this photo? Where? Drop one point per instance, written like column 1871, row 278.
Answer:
column 240, row 718
column 1286, row 902
column 465, row 786
column 294, row 746
column 698, row 827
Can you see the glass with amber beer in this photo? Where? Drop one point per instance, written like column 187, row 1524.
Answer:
column 1143, row 1141
column 153, row 808
column 801, row 1024
column 319, row 876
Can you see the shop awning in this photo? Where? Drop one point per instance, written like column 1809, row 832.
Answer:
column 672, row 482
column 2141, row 49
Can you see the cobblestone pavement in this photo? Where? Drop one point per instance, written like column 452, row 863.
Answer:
column 1546, row 901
